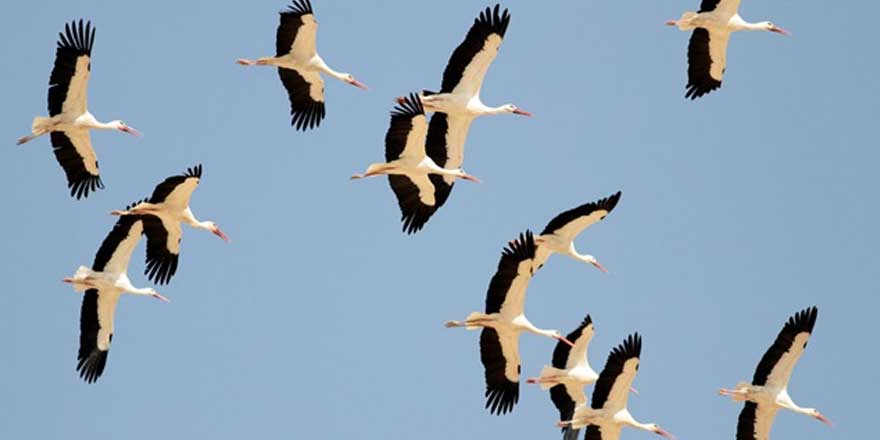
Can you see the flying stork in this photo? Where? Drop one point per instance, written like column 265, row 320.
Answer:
column 300, row 66
column 458, row 102
column 558, row 236
column 103, row 284
column 69, row 120
column 769, row 388
column 407, row 166
column 569, row 372
column 162, row 214
column 607, row 413
column 503, row 321
column 707, row 51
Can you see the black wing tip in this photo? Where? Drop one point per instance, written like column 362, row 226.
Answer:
column 631, row 347
column 80, row 188
column 699, row 89
column 610, row 202
column 501, row 398
column 410, row 107
column 78, row 37
column 803, row 321
column 576, row 333
column 195, row 171
column 135, row 203
column 523, row 248
column 91, row 365
column 298, row 7
column 308, row 118
column 161, row 270
column 495, row 20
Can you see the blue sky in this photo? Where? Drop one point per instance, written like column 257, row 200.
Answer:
column 322, row 320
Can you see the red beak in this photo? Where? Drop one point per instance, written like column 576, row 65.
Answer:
column 220, row 234
column 600, row 266
column 359, row 84
column 824, row 420
column 522, row 113
column 564, row 339
column 665, row 433
column 131, row 131
column 780, row 30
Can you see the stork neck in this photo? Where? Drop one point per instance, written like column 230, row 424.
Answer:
column 322, row 66
column 526, row 325
column 628, row 419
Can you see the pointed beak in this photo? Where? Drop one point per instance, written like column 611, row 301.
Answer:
column 824, row 420
column 665, row 433
column 780, row 30
column 220, row 234
column 522, row 113
column 359, row 84
column 564, row 339
column 471, row 178
column 671, row 23
column 160, row 297
column 131, row 131
column 599, row 266
column 634, row 390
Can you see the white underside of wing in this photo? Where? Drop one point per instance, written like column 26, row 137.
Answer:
column 727, row 7
column 619, row 393
column 510, row 350
column 304, row 45
column 472, row 78
column 118, row 263
column 178, row 200
column 578, row 354
column 175, row 233
column 82, row 142
column 514, row 301
column 108, row 297
column 781, row 372
column 576, row 392
column 718, row 40
column 76, row 101
column 414, row 150
column 764, row 416
column 571, row 230
column 316, row 84
column 426, row 188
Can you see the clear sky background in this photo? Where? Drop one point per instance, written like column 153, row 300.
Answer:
column 322, row 320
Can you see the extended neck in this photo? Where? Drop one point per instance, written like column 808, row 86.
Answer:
column 322, row 66
column 526, row 325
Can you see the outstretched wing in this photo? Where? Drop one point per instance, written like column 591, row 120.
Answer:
column 95, row 332
column 306, row 92
column 755, row 421
column 471, row 59
column 500, row 356
column 572, row 222
column 69, row 81
column 707, row 61
column 776, row 365
column 73, row 151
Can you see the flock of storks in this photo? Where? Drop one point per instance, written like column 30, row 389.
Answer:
column 422, row 161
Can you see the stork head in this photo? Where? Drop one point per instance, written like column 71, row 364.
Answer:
column 656, row 429
column 510, row 108
column 350, row 79
column 814, row 413
column 592, row 260
column 123, row 127
column 773, row 28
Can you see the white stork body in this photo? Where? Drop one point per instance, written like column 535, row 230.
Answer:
column 768, row 391
column 103, row 284
column 69, row 120
column 408, row 168
column 707, row 51
column 162, row 215
column 569, row 372
column 300, row 66
column 607, row 413
column 502, row 323
column 558, row 236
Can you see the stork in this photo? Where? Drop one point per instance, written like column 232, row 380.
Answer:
column 162, row 215
column 707, row 50
column 607, row 413
column 768, row 391
column 69, row 120
column 103, row 284
column 503, row 321
column 569, row 372
column 558, row 236
column 300, row 66
column 408, row 168
column 458, row 102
